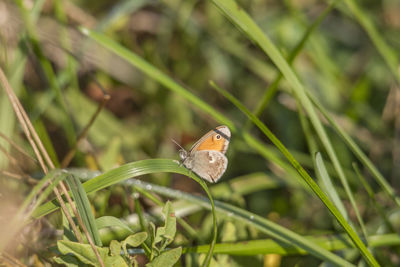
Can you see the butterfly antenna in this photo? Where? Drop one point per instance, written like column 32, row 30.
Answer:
column 176, row 143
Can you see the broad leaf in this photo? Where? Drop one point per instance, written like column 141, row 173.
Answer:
column 83, row 252
column 167, row 258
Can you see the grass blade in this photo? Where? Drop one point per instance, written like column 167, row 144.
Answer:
column 269, row 246
column 388, row 55
column 84, row 209
column 328, row 185
column 358, row 152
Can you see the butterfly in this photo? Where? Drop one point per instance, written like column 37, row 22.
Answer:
column 207, row 156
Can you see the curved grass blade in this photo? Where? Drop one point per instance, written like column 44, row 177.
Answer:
column 208, row 258
column 110, row 221
column 135, row 169
column 143, row 167
column 117, row 175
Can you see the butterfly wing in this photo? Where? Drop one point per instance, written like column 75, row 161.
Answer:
column 208, row 164
column 216, row 139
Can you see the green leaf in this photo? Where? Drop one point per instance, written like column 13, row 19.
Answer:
column 69, row 260
column 134, row 240
column 168, row 231
column 115, row 261
column 115, row 248
column 110, row 221
column 83, row 252
column 166, row 259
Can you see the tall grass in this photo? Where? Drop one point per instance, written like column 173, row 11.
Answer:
column 282, row 73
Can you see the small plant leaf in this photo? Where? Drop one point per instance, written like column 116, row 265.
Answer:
column 115, row 248
column 110, row 221
column 69, row 261
column 134, row 240
column 167, row 258
column 83, row 252
column 115, row 261
column 168, row 231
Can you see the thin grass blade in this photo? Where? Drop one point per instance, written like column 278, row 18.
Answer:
column 83, row 207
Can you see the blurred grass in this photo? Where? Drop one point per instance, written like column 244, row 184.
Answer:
column 345, row 67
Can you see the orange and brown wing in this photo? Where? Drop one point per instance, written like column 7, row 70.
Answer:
column 216, row 140
column 212, row 143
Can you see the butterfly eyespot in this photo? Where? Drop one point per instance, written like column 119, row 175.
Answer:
column 218, row 136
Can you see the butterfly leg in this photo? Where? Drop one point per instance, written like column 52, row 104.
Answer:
column 212, row 178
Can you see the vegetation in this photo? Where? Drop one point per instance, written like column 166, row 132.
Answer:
column 92, row 92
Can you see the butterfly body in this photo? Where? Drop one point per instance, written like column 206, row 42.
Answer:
column 207, row 156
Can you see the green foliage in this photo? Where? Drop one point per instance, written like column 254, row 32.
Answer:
column 165, row 234
column 309, row 90
column 159, row 254
column 167, row 258
column 83, row 252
